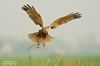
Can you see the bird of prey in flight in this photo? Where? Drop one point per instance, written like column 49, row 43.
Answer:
column 42, row 36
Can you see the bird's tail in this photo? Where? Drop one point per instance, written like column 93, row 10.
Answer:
column 40, row 37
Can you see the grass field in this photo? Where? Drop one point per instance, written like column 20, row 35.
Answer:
column 50, row 61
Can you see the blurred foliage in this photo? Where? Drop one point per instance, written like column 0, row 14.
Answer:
column 53, row 61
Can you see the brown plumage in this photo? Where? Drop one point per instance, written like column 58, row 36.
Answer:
column 42, row 36
column 64, row 20
column 33, row 15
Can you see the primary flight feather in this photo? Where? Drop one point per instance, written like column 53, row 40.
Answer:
column 42, row 36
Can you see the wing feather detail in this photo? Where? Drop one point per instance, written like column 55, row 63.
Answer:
column 64, row 20
column 36, row 18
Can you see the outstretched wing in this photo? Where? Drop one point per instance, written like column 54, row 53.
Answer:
column 33, row 14
column 64, row 20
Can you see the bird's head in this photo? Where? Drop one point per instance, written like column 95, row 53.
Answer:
column 46, row 30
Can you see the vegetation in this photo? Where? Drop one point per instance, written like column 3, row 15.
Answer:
column 52, row 61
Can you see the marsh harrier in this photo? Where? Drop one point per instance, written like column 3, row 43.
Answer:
column 42, row 36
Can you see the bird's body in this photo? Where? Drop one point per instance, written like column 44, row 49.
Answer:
column 42, row 36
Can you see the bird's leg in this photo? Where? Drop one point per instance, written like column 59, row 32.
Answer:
column 44, row 45
column 37, row 46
